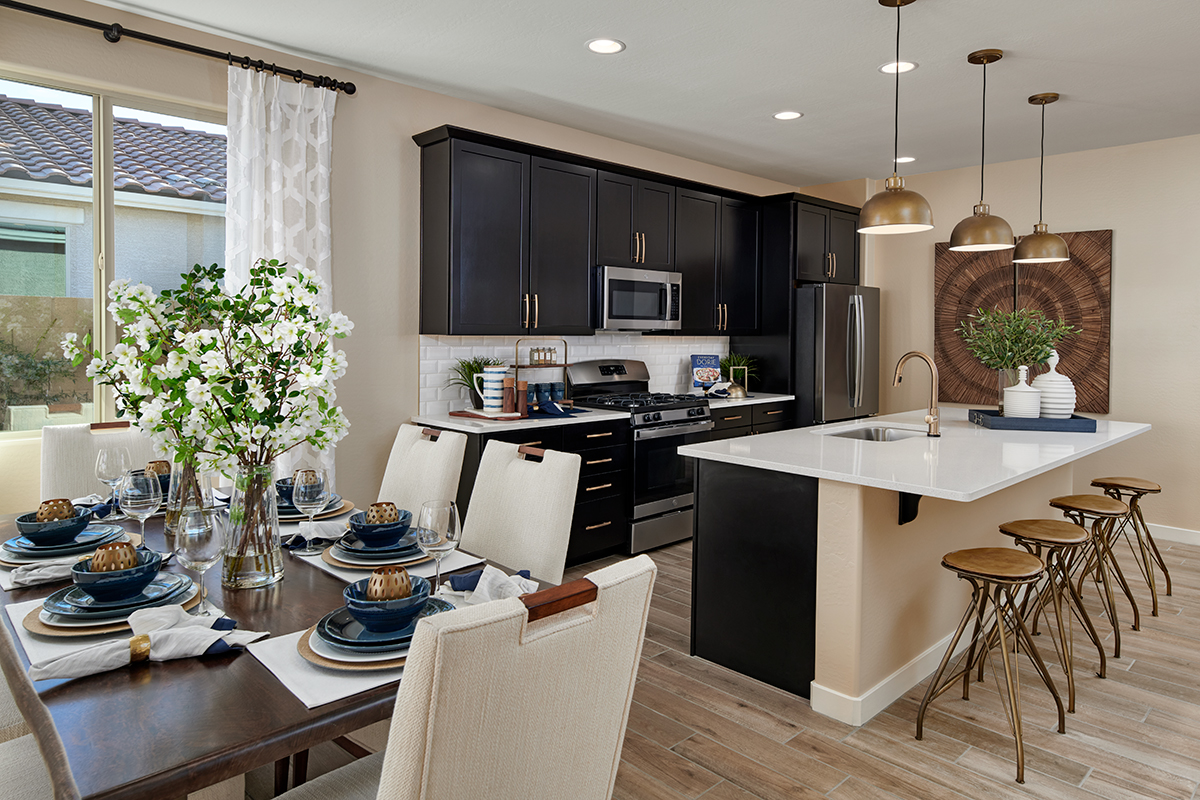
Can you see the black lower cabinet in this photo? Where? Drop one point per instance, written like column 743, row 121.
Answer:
column 755, row 528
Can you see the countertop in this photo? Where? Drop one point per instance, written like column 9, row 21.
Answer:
column 717, row 404
column 471, row 425
column 967, row 462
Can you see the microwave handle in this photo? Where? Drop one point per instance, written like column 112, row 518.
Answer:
column 663, row 302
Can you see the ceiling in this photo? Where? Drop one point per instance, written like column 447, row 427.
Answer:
column 702, row 78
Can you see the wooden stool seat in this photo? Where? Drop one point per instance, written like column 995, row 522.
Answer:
column 1094, row 505
column 1135, row 485
column 1047, row 531
column 998, row 563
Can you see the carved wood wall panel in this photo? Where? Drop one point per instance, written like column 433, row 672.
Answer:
column 1078, row 291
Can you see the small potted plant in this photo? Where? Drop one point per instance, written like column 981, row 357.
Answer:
column 1005, row 340
column 464, row 371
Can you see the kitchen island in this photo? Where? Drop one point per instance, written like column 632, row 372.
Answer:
column 847, row 605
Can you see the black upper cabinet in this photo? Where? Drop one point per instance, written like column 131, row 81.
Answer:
column 635, row 222
column 826, row 247
column 843, row 246
column 561, row 246
column 741, row 226
column 697, row 257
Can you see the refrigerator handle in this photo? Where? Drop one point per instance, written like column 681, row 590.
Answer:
column 860, row 348
column 852, row 345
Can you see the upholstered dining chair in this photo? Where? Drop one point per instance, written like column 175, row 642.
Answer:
column 69, row 456
column 424, row 465
column 521, row 508
column 511, row 698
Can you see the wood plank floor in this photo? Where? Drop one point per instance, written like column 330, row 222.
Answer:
column 699, row 730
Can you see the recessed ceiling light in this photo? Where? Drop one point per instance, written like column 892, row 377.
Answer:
column 788, row 115
column 605, row 46
column 905, row 160
column 905, row 66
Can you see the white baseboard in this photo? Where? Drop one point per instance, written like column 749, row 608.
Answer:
column 860, row 710
column 1169, row 534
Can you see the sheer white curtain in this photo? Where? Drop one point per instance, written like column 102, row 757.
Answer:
column 280, row 150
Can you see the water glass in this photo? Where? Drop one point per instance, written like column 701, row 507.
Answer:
column 112, row 462
column 141, row 495
column 310, row 494
column 200, row 543
column 438, row 532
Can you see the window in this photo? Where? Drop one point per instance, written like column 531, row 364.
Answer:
column 164, row 193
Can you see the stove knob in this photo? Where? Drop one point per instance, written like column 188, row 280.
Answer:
column 657, row 416
column 648, row 418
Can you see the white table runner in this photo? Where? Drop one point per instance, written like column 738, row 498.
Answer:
column 314, row 686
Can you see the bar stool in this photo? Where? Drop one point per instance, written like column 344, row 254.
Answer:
column 1063, row 543
column 993, row 573
column 1147, row 552
column 1103, row 512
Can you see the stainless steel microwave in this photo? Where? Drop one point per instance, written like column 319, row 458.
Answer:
column 639, row 299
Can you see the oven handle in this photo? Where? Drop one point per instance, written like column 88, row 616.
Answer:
column 673, row 430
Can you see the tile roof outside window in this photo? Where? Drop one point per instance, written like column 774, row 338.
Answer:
column 52, row 144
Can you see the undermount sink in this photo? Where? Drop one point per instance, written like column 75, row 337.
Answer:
column 879, row 434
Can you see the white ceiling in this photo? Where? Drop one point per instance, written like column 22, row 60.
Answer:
column 701, row 78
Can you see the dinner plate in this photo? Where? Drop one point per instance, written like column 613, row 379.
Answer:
column 290, row 512
column 89, row 538
column 12, row 559
column 93, row 621
column 168, row 591
column 339, row 629
column 323, row 649
column 358, row 562
column 356, row 546
column 167, row 584
column 381, row 559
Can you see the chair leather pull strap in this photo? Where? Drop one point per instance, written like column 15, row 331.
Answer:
column 549, row 602
column 100, row 426
column 431, row 433
column 139, row 648
column 526, row 450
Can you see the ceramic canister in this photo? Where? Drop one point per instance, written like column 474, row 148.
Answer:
column 490, row 385
column 1022, row 401
column 1058, row 392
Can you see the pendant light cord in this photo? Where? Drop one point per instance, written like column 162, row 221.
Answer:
column 983, row 135
column 896, row 115
column 1042, row 168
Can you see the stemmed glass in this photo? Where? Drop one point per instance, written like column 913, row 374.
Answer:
column 199, row 543
column 141, row 495
column 112, row 462
column 310, row 494
column 438, row 532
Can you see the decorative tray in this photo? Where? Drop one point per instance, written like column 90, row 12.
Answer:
column 988, row 418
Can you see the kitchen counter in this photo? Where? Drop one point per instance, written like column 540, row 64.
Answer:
column 472, row 425
column 718, row 403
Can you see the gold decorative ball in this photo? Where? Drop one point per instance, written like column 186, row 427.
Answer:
column 114, row 556
column 158, row 468
column 380, row 513
column 389, row 583
column 52, row 510
column 304, row 477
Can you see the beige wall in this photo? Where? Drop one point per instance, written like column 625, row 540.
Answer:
column 1146, row 194
column 376, row 182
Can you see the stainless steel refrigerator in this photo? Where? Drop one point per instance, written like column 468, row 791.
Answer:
column 836, row 352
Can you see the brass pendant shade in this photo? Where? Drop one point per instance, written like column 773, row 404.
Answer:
column 982, row 230
column 895, row 209
column 1042, row 247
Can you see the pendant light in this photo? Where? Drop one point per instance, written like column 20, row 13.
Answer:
column 982, row 230
column 896, row 209
column 1041, row 247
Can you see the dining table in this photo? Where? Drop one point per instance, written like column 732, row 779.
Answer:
column 165, row 729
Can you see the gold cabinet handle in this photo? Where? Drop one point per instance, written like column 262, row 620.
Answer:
column 598, row 461
column 829, row 265
column 730, row 419
column 598, row 435
column 726, row 316
column 525, row 324
column 769, row 413
column 637, row 246
column 598, row 525
column 596, row 488
column 535, row 310
column 833, row 257
column 643, row 248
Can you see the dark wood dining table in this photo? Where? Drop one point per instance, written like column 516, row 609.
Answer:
column 164, row 729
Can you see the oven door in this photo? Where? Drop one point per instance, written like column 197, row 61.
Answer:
column 638, row 299
column 662, row 479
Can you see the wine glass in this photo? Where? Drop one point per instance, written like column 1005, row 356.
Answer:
column 438, row 532
column 112, row 462
column 141, row 495
column 310, row 493
column 199, row 543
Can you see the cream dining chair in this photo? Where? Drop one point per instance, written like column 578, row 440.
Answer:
column 511, row 699
column 424, row 465
column 69, row 456
column 521, row 509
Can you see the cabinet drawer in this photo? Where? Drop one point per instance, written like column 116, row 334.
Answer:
column 597, row 526
column 772, row 412
column 771, row 427
column 596, row 487
column 549, row 438
column 731, row 417
column 604, row 459
column 595, row 434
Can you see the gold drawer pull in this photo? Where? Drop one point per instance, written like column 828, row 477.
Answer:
column 598, row 461
column 598, row 435
column 727, row 419
column 769, row 413
column 601, row 525
column 601, row 486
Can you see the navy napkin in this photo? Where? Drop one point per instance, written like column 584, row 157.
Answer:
column 297, row 540
column 469, row 580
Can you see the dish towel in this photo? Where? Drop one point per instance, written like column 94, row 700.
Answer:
column 57, row 569
column 160, row 634
column 489, row 584
column 326, row 534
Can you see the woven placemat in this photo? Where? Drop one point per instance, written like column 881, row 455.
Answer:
column 35, row 625
column 309, row 655
column 333, row 561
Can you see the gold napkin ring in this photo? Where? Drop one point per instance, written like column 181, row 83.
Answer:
column 139, row 648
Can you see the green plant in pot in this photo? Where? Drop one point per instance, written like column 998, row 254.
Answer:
column 738, row 361
column 1005, row 340
column 464, row 371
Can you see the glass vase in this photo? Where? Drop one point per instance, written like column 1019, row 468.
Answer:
column 1006, row 378
column 253, row 556
column 188, row 489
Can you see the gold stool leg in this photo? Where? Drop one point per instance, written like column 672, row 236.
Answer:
column 978, row 599
column 1066, row 646
column 1085, row 619
column 1142, row 553
column 1021, row 633
column 1106, row 595
column 1012, row 682
column 1154, row 547
column 1119, row 574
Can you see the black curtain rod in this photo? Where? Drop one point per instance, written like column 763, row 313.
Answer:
column 115, row 31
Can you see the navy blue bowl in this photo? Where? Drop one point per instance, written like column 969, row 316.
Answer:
column 120, row 584
column 60, row 531
column 283, row 490
column 381, row 616
column 384, row 535
column 164, row 483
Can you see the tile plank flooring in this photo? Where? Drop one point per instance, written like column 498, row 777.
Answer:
column 699, row 730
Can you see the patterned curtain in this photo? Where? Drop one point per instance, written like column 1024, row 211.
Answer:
column 280, row 151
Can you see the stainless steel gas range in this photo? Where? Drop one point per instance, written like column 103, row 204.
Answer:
column 660, row 507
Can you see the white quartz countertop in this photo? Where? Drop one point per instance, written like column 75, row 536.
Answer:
column 716, row 404
column 967, row 462
column 473, row 425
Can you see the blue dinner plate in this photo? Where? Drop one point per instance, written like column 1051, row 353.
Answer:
column 339, row 629
column 335, row 501
column 166, row 584
column 353, row 546
column 57, row 604
column 89, row 539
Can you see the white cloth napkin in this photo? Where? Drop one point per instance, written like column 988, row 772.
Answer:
column 173, row 633
column 89, row 501
column 314, row 686
column 493, row 585
column 56, row 569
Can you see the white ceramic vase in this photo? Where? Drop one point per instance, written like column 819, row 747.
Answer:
column 1058, row 392
column 1022, row 401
